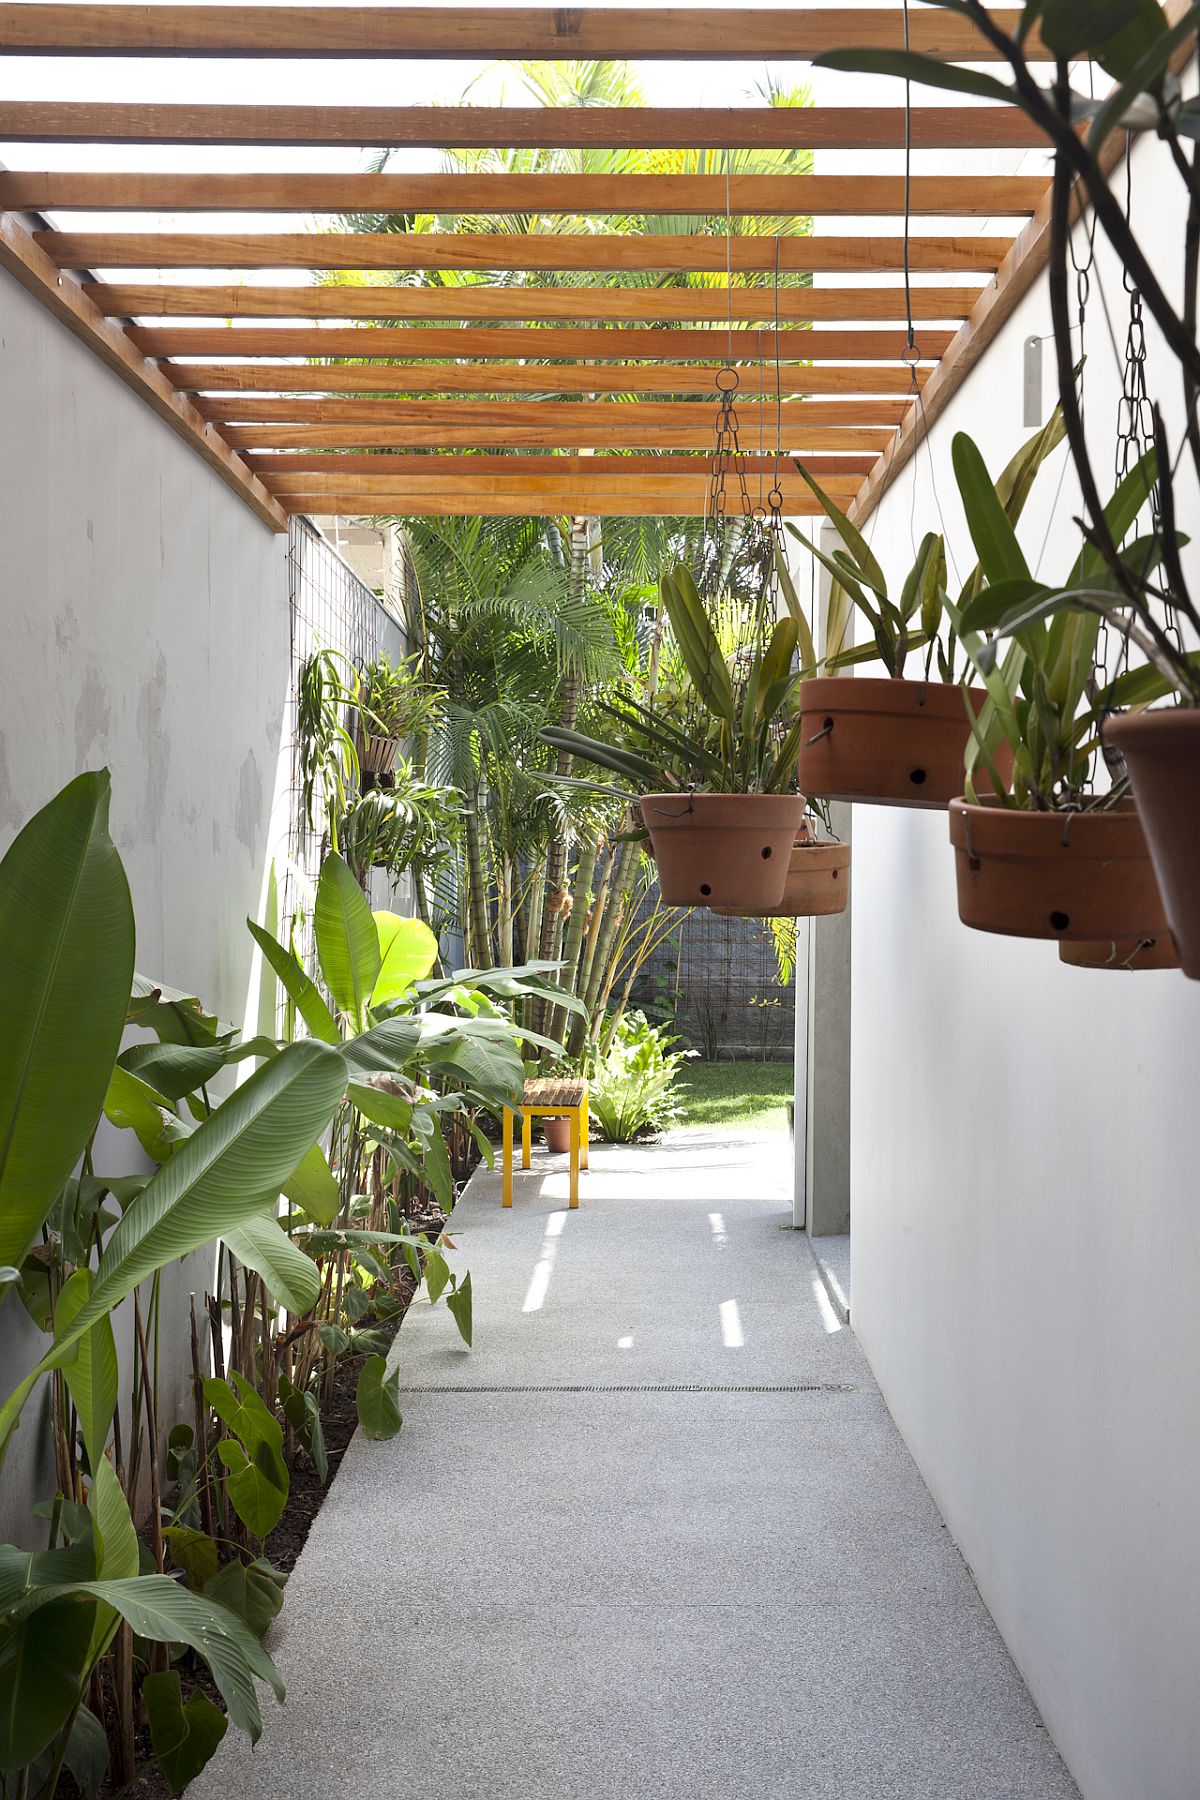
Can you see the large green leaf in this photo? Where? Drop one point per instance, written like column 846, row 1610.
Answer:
column 184, row 1737
column 264, row 1246
column 91, row 1375
column 385, row 1048
column 697, row 641
column 408, row 950
column 347, row 940
column 231, row 1168
column 159, row 1609
column 992, row 534
column 43, row 1663
column 312, row 1186
column 174, row 1070
column 257, row 1482
column 66, row 941
column 296, row 984
column 254, row 1591
column 377, row 1399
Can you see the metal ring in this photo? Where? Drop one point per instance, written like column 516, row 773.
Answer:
column 728, row 380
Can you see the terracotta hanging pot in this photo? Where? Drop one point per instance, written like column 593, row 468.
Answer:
column 723, row 849
column 1162, row 753
column 895, row 743
column 818, row 881
column 377, row 755
column 557, row 1133
column 1122, row 953
column 1055, row 874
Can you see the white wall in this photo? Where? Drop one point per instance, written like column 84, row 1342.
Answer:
column 1026, row 1236
column 143, row 626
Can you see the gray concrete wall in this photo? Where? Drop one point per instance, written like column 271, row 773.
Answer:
column 1026, row 1239
column 143, row 626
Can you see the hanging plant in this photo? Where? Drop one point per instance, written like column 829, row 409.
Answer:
column 1143, row 596
column 716, row 790
column 898, row 740
column 1043, row 854
column 818, row 880
column 394, row 705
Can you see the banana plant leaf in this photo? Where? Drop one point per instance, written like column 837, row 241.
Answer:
column 66, row 923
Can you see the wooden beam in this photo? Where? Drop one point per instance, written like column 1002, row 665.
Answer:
column 453, row 466
column 551, row 416
column 67, row 302
column 588, row 195
column 538, row 378
column 532, row 486
column 569, row 504
column 520, row 127
column 487, row 33
column 471, row 250
column 750, row 346
column 666, row 306
column 800, row 440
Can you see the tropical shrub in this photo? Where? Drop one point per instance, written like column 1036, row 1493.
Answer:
column 631, row 1082
column 313, row 1232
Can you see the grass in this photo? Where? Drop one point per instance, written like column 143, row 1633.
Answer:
column 748, row 1096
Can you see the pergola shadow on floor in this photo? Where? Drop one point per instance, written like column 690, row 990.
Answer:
column 655, row 1535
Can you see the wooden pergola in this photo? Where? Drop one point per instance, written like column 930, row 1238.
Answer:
column 500, row 397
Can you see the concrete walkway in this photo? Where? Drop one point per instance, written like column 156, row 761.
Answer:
column 654, row 1538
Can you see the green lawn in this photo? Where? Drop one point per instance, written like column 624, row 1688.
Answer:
column 746, row 1095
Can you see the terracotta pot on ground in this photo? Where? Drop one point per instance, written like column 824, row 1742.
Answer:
column 1162, row 754
column 1122, row 953
column 377, row 755
column 1055, row 874
column 818, row 881
column 558, row 1135
column 723, row 849
column 896, row 743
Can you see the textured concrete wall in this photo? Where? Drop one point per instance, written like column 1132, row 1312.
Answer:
column 143, row 626
column 1026, row 1240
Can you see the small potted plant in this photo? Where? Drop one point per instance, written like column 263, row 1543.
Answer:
column 394, row 704
column 717, row 791
column 1045, row 855
column 895, row 739
column 818, row 877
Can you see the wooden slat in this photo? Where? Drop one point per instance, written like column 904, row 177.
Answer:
column 590, row 195
column 547, row 415
column 483, row 506
column 607, row 305
column 507, row 436
column 65, row 299
column 467, row 250
column 559, row 378
column 417, row 342
column 534, row 486
column 520, row 127
column 486, row 33
column 453, row 467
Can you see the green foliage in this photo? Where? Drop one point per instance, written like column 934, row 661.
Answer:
column 377, row 1399
column 917, row 620
column 1043, row 699
column 66, row 928
column 748, row 735
column 184, row 1736
column 631, row 1085
column 257, row 1481
column 394, row 702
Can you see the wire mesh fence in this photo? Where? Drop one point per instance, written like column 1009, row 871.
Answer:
column 715, row 981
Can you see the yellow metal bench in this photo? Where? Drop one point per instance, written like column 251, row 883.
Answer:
column 548, row 1097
